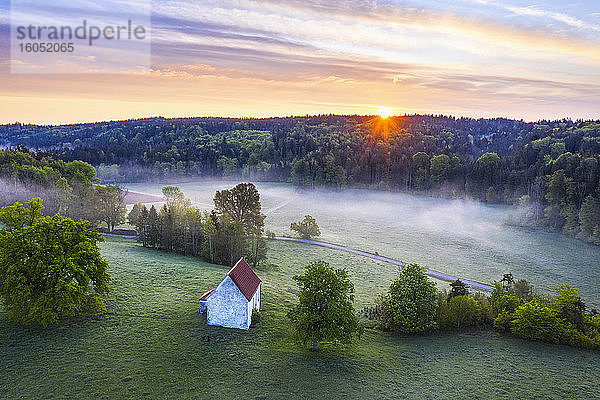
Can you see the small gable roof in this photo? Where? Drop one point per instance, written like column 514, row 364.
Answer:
column 206, row 295
column 244, row 278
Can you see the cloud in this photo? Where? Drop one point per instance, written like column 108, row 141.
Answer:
column 303, row 55
column 534, row 11
column 370, row 29
column 164, row 26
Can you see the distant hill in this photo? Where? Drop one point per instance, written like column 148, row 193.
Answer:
column 554, row 164
column 205, row 145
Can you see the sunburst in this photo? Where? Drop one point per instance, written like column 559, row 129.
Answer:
column 385, row 112
column 383, row 123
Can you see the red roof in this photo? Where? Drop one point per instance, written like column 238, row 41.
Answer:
column 206, row 295
column 244, row 278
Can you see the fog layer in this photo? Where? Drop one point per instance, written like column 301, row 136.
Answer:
column 459, row 237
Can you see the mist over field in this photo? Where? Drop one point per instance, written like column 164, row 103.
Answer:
column 410, row 157
column 11, row 192
column 464, row 238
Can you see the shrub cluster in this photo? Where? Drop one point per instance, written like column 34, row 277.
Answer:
column 561, row 318
column 256, row 317
column 413, row 305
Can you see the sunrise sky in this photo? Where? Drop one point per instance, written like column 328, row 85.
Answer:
column 481, row 58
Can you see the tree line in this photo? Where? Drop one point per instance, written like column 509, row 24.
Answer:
column 71, row 189
column 550, row 168
column 232, row 230
column 412, row 305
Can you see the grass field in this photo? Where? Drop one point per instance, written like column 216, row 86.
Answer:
column 462, row 238
column 152, row 344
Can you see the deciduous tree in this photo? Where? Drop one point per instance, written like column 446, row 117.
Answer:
column 241, row 204
column 173, row 194
column 325, row 310
column 50, row 267
column 110, row 205
column 307, row 228
column 410, row 305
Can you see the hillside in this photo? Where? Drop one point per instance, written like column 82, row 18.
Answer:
column 550, row 168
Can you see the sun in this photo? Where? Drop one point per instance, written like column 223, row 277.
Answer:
column 385, row 112
column 380, row 124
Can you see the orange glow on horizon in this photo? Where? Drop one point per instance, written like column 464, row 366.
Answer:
column 385, row 112
column 383, row 124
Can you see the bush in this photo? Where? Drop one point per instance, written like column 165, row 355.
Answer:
column 459, row 312
column 486, row 307
column 569, row 307
column 502, row 321
column 501, row 301
column 535, row 320
column 307, row 228
column 592, row 320
column 522, row 289
column 574, row 338
column 50, row 267
column 561, row 319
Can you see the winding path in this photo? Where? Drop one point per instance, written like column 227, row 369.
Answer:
column 285, row 203
column 433, row 273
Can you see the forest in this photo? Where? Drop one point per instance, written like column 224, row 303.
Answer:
column 66, row 187
column 548, row 168
column 72, row 190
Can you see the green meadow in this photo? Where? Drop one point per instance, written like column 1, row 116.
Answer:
column 152, row 344
column 462, row 238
